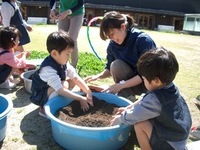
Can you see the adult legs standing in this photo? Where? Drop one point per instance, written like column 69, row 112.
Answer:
column 72, row 25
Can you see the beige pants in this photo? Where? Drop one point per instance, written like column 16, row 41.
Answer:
column 122, row 71
column 72, row 25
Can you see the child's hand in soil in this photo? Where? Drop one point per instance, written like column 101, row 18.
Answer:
column 120, row 110
column 89, row 98
column 117, row 116
column 84, row 104
column 116, row 120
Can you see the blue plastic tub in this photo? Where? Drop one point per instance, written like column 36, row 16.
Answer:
column 6, row 106
column 73, row 137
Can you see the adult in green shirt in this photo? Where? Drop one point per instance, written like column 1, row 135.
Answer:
column 70, row 19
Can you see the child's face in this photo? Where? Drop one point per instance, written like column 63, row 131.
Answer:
column 63, row 57
column 118, row 35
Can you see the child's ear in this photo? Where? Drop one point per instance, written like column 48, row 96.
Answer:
column 157, row 81
column 54, row 53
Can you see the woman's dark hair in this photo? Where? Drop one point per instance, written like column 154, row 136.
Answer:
column 59, row 41
column 159, row 63
column 114, row 19
column 8, row 36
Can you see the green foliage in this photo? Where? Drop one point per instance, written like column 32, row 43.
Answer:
column 88, row 63
column 38, row 54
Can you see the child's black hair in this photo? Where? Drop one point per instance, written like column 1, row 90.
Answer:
column 59, row 41
column 8, row 36
column 159, row 63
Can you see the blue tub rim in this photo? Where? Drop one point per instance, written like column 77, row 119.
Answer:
column 53, row 118
column 8, row 109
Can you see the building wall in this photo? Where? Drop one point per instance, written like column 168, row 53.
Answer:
column 192, row 23
column 186, row 6
column 148, row 14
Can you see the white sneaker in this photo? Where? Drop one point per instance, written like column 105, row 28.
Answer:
column 7, row 85
column 14, row 80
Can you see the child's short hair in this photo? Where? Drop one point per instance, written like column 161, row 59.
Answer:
column 8, row 36
column 59, row 41
column 159, row 63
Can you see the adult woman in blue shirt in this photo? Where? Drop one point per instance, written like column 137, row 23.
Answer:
column 127, row 44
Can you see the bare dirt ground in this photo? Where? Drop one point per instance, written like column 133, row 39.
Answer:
column 25, row 128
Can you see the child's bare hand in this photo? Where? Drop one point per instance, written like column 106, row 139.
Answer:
column 27, row 53
column 29, row 28
column 53, row 15
column 84, row 104
column 89, row 99
column 116, row 120
column 120, row 110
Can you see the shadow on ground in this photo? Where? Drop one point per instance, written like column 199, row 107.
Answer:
column 37, row 131
column 21, row 97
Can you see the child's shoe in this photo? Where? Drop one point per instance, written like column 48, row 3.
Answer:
column 42, row 112
column 14, row 80
column 195, row 132
column 7, row 85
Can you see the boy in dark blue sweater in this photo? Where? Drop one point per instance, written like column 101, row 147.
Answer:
column 56, row 76
column 161, row 118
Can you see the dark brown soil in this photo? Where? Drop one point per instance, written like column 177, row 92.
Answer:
column 99, row 115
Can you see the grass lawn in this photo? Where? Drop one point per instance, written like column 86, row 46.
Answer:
column 185, row 47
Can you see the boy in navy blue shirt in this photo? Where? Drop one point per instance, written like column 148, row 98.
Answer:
column 56, row 76
column 161, row 118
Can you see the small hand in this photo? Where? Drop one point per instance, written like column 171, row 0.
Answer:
column 120, row 110
column 29, row 28
column 116, row 120
column 84, row 104
column 89, row 99
column 28, row 53
column 52, row 15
